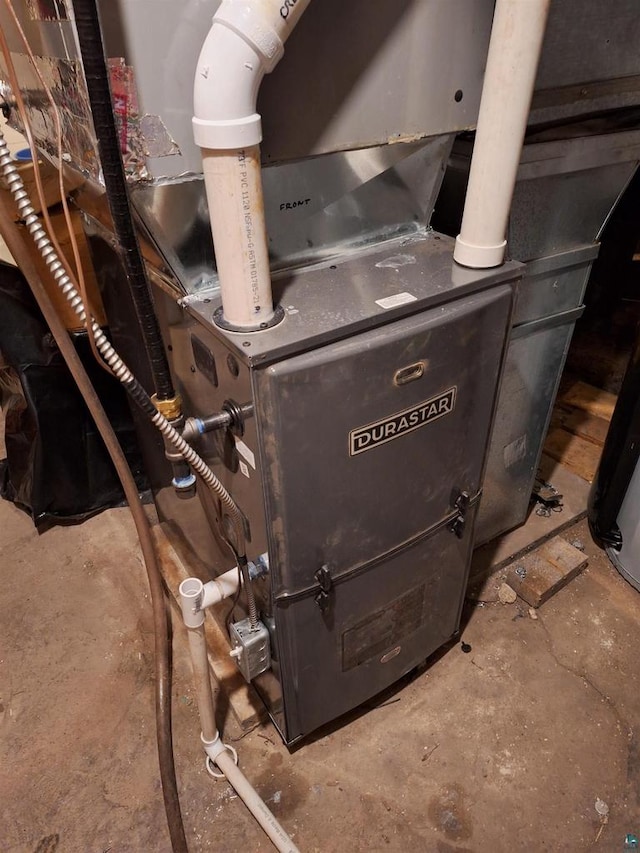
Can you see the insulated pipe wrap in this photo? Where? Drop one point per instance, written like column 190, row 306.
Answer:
column 97, row 77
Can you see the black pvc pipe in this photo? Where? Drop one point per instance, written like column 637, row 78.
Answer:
column 99, row 91
column 619, row 458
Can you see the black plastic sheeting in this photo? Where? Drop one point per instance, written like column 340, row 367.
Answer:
column 57, row 468
column 621, row 451
column 620, row 456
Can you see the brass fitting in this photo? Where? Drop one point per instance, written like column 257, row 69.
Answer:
column 170, row 409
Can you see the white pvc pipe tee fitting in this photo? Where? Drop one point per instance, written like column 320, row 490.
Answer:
column 196, row 596
column 514, row 52
column 246, row 41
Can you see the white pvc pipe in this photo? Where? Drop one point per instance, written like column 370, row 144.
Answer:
column 196, row 596
column 255, row 804
column 202, row 683
column 236, row 208
column 512, row 62
column 245, row 42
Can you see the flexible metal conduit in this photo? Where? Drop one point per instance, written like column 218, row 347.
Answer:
column 119, row 368
column 245, row 42
column 96, row 74
column 161, row 620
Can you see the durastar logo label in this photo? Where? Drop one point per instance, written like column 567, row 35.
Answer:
column 380, row 432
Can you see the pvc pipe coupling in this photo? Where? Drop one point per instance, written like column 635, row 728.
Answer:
column 239, row 50
column 245, row 42
column 214, row 748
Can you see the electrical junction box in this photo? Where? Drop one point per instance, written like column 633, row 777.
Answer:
column 250, row 648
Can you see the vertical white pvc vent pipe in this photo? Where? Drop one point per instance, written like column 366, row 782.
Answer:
column 245, row 42
column 512, row 62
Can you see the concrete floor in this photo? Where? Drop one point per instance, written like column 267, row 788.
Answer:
column 504, row 748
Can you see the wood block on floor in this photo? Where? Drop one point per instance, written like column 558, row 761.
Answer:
column 576, row 453
column 586, row 425
column 242, row 698
column 539, row 575
column 590, row 399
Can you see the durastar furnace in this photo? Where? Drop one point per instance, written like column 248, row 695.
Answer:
column 360, row 470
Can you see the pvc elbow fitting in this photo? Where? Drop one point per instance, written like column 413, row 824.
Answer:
column 240, row 48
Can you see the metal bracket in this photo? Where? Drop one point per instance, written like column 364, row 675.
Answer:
column 323, row 576
column 459, row 522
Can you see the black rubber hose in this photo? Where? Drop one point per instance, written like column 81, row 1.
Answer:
column 97, row 77
column 161, row 616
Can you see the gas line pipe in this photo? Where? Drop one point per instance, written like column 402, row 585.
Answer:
column 245, row 42
column 514, row 53
column 195, row 597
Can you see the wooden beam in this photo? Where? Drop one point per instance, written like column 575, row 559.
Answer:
column 587, row 398
column 575, row 453
column 539, row 575
column 587, row 426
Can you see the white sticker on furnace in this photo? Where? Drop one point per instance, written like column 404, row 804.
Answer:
column 244, row 469
column 395, row 301
column 246, row 453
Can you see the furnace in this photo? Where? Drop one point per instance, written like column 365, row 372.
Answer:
column 315, row 370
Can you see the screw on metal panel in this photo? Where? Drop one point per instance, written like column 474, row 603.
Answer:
column 233, row 366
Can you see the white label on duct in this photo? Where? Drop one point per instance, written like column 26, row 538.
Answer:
column 395, row 301
column 246, row 453
column 515, row 451
column 244, row 469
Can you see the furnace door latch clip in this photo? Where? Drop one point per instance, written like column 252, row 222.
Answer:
column 462, row 505
column 323, row 576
